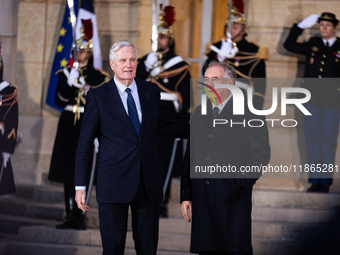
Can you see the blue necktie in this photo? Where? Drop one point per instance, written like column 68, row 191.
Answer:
column 132, row 111
column 216, row 112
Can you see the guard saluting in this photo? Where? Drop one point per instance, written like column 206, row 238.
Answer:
column 323, row 61
column 172, row 75
column 246, row 57
column 72, row 87
column 8, row 131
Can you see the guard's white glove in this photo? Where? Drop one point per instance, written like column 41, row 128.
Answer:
column 96, row 145
column 226, row 48
column 151, row 59
column 5, row 156
column 74, row 74
column 309, row 21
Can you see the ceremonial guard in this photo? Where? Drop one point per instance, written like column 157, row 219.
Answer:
column 246, row 57
column 73, row 85
column 322, row 126
column 8, row 131
column 172, row 75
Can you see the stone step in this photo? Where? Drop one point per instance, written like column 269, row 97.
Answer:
column 298, row 215
column 55, row 194
column 271, row 198
column 263, row 229
column 278, row 214
column 32, row 209
column 40, row 193
column 280, row 198
column 38, row 234
column 49, row 194
column 295, row 199
column 11, row 224
column 44, row 237
column 260, row 247
column 16, row 248
column 284, row 230
column 260, row 229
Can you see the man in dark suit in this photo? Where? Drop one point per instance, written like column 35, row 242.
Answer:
column 125, row 114
column 220, row 203
column 322, row 127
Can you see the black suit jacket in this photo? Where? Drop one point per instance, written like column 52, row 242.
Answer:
column 221, row 219
column 123, row 155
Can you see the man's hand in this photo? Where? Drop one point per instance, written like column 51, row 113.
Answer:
column 151, row 59
column 186, row 205
column 80, row 199
column 74, row 74
column 309, row 21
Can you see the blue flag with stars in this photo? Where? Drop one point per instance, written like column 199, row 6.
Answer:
column 62, row 54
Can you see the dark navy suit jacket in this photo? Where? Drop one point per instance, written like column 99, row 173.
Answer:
column 123, row 155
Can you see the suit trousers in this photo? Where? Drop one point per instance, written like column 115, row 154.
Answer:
column 145, row 223
column 321, row 135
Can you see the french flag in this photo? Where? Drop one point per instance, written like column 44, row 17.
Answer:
column 86, row 11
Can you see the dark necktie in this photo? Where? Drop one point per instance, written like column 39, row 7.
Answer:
column 132, row 111
column 215, row 112
column 327, row 46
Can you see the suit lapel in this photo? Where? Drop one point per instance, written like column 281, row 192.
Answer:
column 116, row 102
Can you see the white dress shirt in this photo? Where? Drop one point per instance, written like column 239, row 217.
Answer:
column 123, row 95
column 330, row 41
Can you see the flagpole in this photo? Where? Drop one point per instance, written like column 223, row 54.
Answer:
column 73, row 22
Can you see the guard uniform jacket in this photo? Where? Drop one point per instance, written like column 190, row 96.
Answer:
column 321, row 63
column 8, row 133
column 249, row 64
column 65, row 145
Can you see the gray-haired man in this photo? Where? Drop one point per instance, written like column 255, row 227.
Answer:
column 220, row 203
column 125, row 114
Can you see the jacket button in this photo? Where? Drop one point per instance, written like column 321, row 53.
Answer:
column 324, row 56
column 321, row 70
column 319, row 76
column 336, row 60
column 210, row 135
column 206, row 158
column 338, row 89
column 206, row 182
column 322, row 63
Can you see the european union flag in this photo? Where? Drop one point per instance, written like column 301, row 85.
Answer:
column 62, row 55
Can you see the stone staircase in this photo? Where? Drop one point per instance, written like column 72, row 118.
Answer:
column 283, row 222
